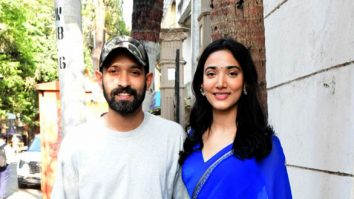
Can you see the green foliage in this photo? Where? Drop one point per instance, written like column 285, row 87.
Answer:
column 114, row 22
column 27, row 55
column 114, row 25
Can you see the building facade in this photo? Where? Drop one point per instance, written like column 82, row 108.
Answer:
column 310, row 85
column 310, row 79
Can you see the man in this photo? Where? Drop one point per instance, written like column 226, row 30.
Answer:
column 127, row 153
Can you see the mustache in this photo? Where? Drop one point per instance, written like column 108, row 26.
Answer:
column 121, row 89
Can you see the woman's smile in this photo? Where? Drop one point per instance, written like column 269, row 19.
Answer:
column 221, row 95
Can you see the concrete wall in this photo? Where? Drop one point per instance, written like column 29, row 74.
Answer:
column 182, row 7
column 310, row 79
column 184, row 18
column 187, row 57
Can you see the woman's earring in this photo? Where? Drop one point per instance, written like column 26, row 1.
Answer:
column 202, row 91
column 244, row 90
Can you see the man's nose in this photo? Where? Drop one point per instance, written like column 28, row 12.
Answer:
column 123, row 80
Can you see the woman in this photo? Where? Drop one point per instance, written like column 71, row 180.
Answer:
column 231, row 151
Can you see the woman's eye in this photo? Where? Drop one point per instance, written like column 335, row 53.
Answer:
column 233, row 74
column 210, row 74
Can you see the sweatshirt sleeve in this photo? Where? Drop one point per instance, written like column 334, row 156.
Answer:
column 66, row 185
column 179, row 190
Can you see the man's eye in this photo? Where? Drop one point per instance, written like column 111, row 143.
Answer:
column 136, row 72
column 112, row 70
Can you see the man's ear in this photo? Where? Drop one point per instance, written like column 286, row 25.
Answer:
column 99, row 77
column 149, row 77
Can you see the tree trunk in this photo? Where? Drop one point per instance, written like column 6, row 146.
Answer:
column 147, row 16
column 243, row 21
column 146, row 26
column 99, row 33
column 70, row 69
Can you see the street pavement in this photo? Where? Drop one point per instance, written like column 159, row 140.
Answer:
column 13, row 192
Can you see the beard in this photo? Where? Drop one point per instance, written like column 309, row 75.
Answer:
column 124, row 107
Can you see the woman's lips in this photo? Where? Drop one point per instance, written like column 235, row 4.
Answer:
column 221, row 96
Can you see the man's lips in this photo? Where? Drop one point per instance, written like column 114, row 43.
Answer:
column 123, row 96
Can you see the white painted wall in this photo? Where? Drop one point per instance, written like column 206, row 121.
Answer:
column 187, row 56
column 191, row 43
column 310, row 80
column 195, row 34
column 170, row 20
column 181, row 7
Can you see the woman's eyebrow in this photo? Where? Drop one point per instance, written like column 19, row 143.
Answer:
column 227, row 67
column 210, row 67
column 232, row 67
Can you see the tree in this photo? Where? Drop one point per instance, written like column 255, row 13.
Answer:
column 147, row 16
column 27, row 55
column 102, row 19
column 146, row 26
column 243, row 21
column 114, row 23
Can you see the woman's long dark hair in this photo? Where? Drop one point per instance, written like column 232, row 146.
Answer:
column 253, row 137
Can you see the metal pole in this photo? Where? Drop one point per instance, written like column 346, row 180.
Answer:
column 177, row 86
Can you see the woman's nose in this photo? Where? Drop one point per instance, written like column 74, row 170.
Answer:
column 220, row 81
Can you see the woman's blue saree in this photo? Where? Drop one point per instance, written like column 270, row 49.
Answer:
column 235, row 178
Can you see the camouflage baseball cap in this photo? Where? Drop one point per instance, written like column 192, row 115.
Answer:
column 133, row 46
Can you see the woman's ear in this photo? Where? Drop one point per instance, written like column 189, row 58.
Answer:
column 202, row 90
column 245, row 89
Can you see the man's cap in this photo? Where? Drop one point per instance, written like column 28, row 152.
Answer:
column 133, row 46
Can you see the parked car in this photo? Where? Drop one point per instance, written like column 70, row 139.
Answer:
column 29, row 165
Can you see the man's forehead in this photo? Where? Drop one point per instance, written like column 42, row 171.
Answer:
column 123, row 65
column 120, row 62
column 120, row 56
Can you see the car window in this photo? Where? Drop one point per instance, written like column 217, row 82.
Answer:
column 35, row 145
